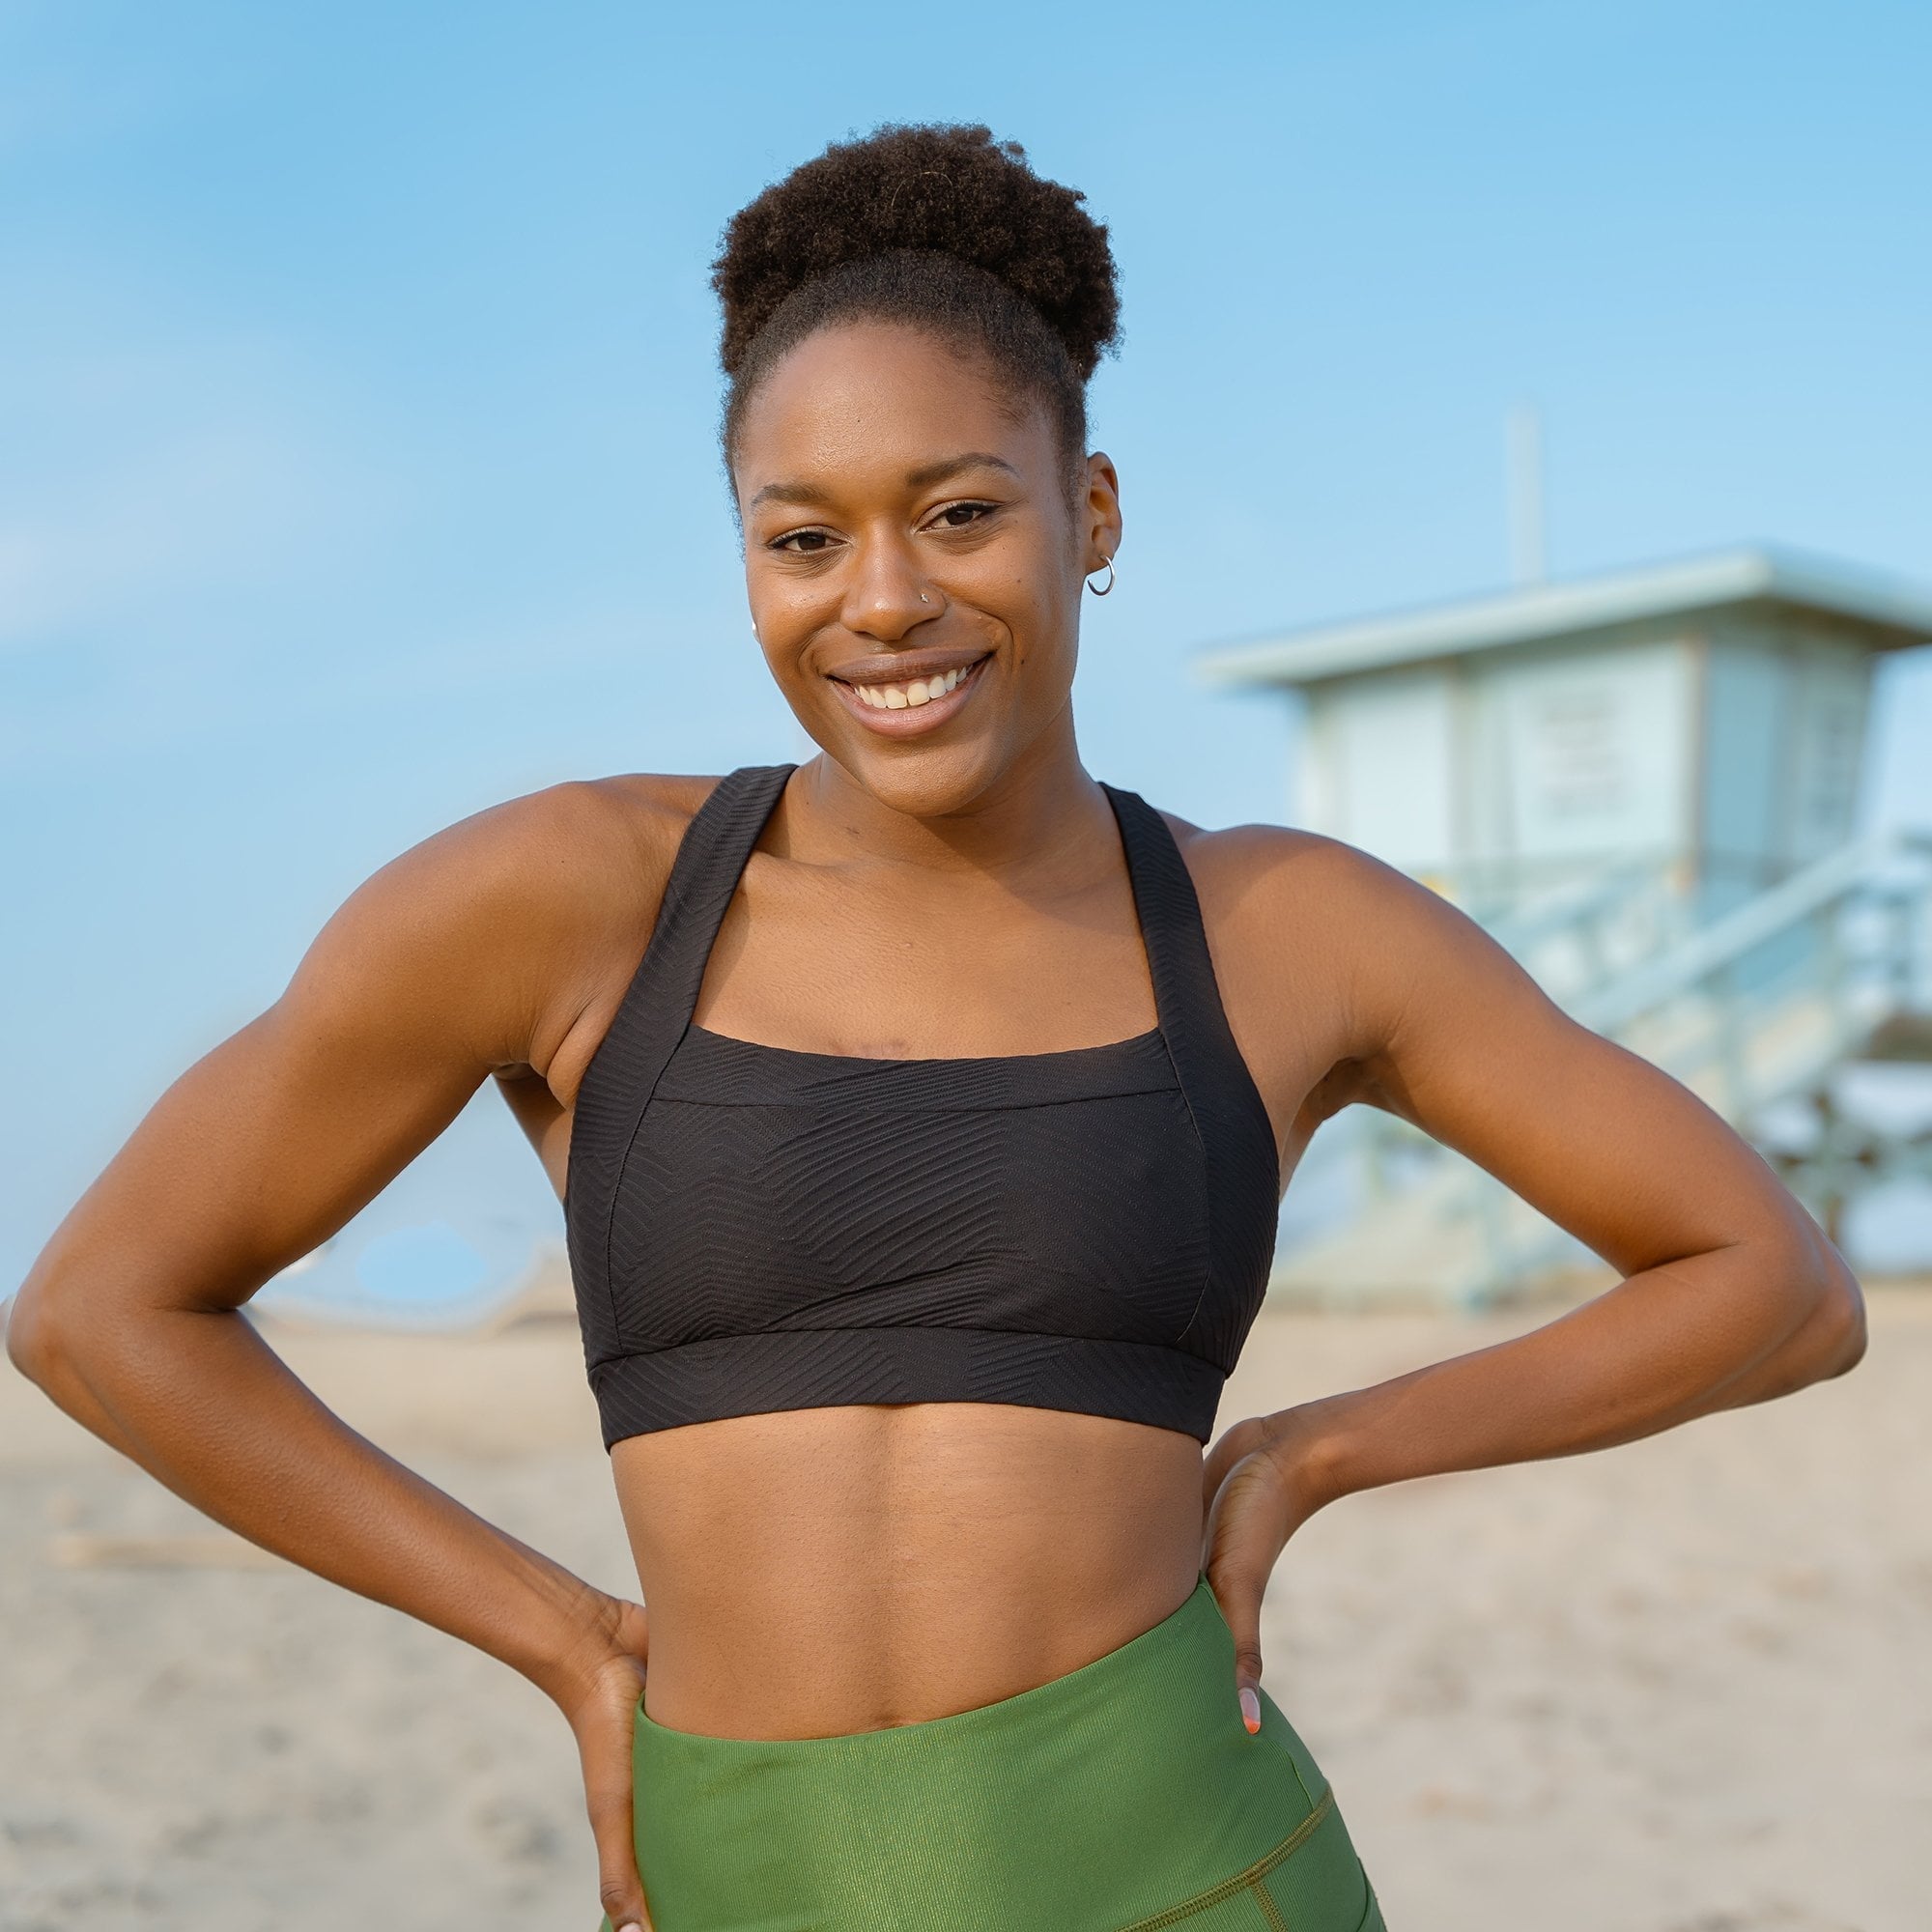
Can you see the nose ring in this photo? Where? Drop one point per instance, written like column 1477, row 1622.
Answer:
column 924, row 598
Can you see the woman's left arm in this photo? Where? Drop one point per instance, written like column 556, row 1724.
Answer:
column 1731, row 1293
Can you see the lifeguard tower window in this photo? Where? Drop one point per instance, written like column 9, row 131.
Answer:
column 1647, row 786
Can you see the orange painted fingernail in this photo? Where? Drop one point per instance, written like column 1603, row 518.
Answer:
column 1250, row 1711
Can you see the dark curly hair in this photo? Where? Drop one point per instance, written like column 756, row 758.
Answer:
column 937, row 226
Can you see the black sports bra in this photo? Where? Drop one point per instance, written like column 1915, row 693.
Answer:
column 753, row 1228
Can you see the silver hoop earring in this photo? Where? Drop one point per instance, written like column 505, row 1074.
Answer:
column 1110, row 579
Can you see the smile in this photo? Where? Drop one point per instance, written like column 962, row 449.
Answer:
column 901, row 696
column 909, row 705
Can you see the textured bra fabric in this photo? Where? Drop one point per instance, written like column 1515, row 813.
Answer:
column 753, row 1228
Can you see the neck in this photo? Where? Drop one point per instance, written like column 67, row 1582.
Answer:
column 1043, row 813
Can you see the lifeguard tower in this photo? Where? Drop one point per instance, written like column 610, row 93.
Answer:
column 1647, row 786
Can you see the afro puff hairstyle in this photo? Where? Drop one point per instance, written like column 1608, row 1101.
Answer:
column 941, row 228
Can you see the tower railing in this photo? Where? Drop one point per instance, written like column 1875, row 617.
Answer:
column 1753, row 1010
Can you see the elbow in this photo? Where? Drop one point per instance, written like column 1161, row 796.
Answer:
column 1832, row 1338
column 1844, row 1316
column 31, row 1345
column 44, row 1341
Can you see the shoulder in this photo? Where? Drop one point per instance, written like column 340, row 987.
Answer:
column 544, row 848
column 508, row 922
column 1292, row 909
column 1257, row 875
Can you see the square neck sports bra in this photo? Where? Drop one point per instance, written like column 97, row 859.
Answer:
column 755, row 1228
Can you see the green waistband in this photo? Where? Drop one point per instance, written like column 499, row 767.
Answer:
column 1105, row 1796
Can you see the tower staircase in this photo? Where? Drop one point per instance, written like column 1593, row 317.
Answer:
column 1756, row 1012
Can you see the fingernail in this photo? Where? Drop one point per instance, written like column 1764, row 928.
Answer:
column 1251, row 1710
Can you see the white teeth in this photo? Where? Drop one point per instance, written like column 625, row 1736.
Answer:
column 911, row 695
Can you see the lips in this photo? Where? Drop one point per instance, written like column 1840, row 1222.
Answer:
column 885, row 667
column 904, row 694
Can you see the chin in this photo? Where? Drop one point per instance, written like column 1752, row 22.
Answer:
column 921, row 780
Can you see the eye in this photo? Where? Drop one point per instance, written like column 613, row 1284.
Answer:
column 802, row 543
column 960, row 516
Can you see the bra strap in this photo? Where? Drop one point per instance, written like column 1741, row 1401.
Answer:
column 630, row 1059
column 1185, row 993
column 711, row 859
column 1230, row 1115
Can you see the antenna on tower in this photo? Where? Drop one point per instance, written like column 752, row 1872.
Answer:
column 1524, row 466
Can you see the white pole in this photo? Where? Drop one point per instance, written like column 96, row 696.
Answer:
column 1524, row 464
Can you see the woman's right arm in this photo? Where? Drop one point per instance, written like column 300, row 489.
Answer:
column 449, row 964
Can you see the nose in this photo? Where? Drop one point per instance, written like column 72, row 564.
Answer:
column 886, row 595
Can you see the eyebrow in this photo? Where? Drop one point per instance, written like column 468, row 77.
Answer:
column 927, row 474
column 951, row 465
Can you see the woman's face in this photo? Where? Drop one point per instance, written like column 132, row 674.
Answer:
column 915, row 557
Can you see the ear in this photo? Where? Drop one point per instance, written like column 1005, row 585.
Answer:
column 1099, row 514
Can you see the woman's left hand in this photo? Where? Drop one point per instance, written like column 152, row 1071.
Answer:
column 596, row 1684
column 1258, row 1487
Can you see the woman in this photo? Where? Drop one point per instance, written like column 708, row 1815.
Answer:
column 920, row 1115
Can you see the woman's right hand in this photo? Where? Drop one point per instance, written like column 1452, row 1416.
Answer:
column 598, row 1693
column 458, row 962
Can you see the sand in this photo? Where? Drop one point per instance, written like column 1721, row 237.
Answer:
column 1685, row 1686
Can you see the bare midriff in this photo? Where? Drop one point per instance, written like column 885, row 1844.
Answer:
column 824, row 1570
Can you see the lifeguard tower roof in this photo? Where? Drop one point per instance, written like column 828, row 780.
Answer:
column 1648, row 784
column 1891, row 615
column 1706, row 717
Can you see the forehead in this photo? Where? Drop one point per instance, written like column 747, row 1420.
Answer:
column 865, row 404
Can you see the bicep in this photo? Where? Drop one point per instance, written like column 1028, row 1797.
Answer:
column 265, row 1146
column 1464, row 1043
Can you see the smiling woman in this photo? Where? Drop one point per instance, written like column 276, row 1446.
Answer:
column 920, row 1115
column 876, row 567
column 919, row 678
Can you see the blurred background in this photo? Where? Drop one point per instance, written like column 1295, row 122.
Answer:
column 1521, row 419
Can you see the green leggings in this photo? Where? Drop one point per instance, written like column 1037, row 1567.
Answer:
column 1124, row 1797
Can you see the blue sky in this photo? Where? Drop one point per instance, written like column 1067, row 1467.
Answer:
column 357, row 397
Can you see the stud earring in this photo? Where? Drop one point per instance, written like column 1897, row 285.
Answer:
column 1110, row 579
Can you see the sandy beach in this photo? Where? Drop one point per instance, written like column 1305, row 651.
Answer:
column 1685, row 1686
